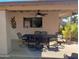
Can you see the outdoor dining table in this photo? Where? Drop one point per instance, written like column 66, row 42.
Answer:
column 38, row 38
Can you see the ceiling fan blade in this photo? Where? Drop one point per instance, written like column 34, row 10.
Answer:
column 43, row 14
column 39, row 13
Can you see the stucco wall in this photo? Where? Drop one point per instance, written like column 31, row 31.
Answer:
column 50, row 22
column 11, row 33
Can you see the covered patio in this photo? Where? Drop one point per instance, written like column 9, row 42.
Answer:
column 18, row 16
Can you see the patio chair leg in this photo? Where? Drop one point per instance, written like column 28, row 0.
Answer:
column 48, row 46
column 59, row 43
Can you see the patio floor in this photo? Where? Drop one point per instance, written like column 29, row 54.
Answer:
column 30, row 53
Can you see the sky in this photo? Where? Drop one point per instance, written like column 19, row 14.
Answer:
column 34, row 0
column 15, row 0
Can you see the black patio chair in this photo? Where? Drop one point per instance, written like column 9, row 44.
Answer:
column 39, row 39
column 73, row 56
column 20, row 41
column 44, row 39
column 37, row 32
column 31, row 41
column 19, row 35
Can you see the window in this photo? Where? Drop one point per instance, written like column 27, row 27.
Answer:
column 33, row 22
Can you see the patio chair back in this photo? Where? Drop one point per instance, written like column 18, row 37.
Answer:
column 43, row 32
column 73, row 56
column 43, row 40
column 37, row 32
column 19, row 35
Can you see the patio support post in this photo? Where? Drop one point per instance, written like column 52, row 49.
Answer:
column 3, row 33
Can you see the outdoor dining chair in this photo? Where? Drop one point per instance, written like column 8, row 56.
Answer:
column 37, row 32
column 20, row 41
column 73, row 56
column 44, row 39
column 31, row 40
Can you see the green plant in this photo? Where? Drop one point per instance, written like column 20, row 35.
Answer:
column 74, row 31
column 70, row 30
column 67, row 31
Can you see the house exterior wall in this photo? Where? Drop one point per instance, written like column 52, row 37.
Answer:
column 50, row 22
column 7, row 33
column 10, row 32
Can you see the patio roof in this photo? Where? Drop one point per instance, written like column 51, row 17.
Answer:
column 21, row 2
column 61, row 6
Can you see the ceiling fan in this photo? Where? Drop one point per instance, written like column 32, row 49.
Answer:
column 40, row 14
